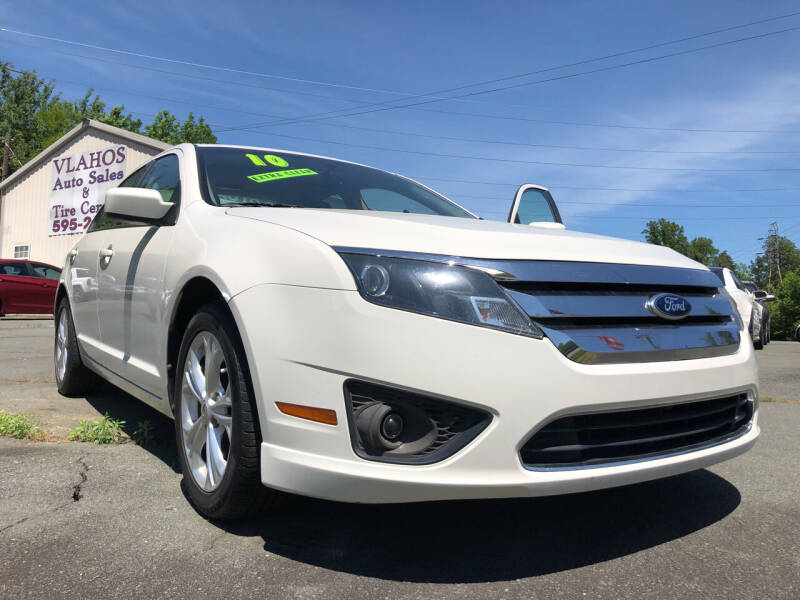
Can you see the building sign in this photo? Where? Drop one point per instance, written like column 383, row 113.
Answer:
column 78, row 187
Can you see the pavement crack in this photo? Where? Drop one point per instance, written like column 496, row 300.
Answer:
column 84, row 474
column 19, row 522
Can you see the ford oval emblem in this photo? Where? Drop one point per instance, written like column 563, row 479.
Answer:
column 669, row 306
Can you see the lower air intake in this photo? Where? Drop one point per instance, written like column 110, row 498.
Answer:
column 598, row 438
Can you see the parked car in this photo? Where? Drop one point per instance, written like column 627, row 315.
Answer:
column 763, row 298
column 325, row 328
column 27, row 287
column 751, row 311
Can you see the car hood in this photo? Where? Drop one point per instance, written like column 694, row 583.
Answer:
column 471, row 238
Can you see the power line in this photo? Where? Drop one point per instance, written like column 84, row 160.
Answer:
column 555, row 78
column 593, row 216
column 448, row 112
column 617, row 189
column 414, row 106
column 657, row 205
column 224, row 128
column 552, row 146
column 532, row 162
column 603, row 125
column 187, row 75
column 394, row 92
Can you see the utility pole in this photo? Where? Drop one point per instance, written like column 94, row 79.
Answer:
column 773, row 253
column 6, row 152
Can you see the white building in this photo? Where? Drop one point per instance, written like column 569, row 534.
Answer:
column 48, row 203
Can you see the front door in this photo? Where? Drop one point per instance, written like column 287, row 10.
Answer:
column 18, row 290
column 131, row 287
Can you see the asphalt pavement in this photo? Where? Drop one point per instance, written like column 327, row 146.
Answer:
column 80, row 520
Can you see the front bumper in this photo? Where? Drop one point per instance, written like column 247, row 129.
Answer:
column 304, row 343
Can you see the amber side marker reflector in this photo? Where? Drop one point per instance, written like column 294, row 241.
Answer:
column 320, row 415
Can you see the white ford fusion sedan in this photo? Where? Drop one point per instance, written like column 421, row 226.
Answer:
column 324, row 328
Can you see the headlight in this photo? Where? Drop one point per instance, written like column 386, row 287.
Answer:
column 443, row 290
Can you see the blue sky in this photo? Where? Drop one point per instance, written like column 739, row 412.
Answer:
column 372, row 52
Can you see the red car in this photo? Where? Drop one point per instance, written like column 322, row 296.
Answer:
column 27, row 286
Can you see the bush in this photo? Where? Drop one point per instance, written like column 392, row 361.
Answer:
column 19, row 426
column 104, row 430
column 786, row 308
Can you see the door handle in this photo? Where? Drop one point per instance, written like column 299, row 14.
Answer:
column 106, row 252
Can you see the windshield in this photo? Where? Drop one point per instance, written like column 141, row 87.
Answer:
column 719, row 273
column 248, row 177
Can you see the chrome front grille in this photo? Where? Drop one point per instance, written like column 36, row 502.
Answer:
column 597, row 313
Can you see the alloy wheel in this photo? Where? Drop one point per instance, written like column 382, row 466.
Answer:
column 61, row 346
column 206, row 411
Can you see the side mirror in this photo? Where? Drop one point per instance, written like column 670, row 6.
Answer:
column 760, row 294
column 136, row 204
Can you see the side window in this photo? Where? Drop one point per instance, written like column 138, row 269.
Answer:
column 534, row 207
column 164, row 177
column 45, row 271
column 139, row 178
column 133, row 179
column 17, row 269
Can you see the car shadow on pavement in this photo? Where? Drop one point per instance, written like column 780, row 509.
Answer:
column 492, row 540
column 119, row 405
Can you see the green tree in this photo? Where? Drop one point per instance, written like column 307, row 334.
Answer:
column 666, row 233
column 167, row 128
column 702, row 250
column 22, row 96
column 786, row 308
column 60, row 116
column 789, row 257
column 34, row 116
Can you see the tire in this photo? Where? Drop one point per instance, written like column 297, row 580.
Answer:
column 221, row 424
column 758, row 345
column 72, row 376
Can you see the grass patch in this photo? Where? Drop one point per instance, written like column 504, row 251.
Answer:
column 20, row 426
column 104, row 430
column 144, row 434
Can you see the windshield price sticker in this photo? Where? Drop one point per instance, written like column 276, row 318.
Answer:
column 262, row 177
column 78, row 186
column 270, row 158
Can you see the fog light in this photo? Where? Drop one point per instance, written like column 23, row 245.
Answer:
column 392, row 426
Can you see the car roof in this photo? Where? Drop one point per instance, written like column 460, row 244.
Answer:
column 27, row 260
